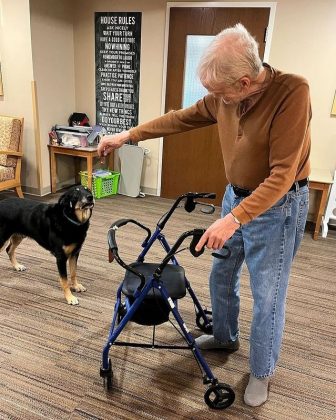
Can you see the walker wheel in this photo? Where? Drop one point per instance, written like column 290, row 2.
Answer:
column 200, row 322
column 219, row 396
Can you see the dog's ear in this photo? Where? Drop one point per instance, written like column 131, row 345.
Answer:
column 65, row 200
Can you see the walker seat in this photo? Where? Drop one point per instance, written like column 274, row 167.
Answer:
column 153, row 309
column 173, row 278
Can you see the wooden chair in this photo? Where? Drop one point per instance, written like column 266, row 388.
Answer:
column 11, row 132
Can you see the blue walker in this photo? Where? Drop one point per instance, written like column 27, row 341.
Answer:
column 149, row 293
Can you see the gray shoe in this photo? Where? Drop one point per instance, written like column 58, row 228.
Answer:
column 208, row 342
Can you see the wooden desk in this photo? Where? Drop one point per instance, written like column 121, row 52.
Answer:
column 89, row 153
column 320, row 180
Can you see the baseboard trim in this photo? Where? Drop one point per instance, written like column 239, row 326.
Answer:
column 47, row 190
column 149, row 191
column 36, row 191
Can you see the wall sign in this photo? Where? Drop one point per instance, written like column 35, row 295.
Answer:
column 118, row 42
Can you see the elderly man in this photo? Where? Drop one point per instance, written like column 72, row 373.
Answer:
column 263, row 117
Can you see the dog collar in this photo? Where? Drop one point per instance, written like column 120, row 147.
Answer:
column 74, row 221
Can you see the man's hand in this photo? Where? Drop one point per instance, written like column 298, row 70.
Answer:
column 218, row 233
column 111, row 142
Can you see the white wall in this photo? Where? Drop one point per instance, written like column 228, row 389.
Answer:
column 54, row 73
column 304, row 42
column 36, row 43
column 17, row 74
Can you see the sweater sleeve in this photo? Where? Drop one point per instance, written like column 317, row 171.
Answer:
column 201, row 114
column 289, row 135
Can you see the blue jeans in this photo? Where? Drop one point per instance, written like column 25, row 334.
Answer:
column 268, row 244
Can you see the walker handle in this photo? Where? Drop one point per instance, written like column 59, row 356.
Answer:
column 113, row 247
column 198, row 233
column 189, row 205
column 111, row 236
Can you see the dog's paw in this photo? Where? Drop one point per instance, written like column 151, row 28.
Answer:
column 72, row 300
column 78, row 288
column 20, row 267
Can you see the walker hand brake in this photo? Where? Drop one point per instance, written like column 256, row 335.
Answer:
column 207, row 208
column 196, row 237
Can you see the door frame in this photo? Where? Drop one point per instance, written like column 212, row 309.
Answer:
column 270, row 5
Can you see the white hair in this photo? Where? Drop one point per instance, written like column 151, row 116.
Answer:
column 231, row 55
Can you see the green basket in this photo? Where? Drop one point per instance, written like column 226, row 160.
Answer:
column 102, row 185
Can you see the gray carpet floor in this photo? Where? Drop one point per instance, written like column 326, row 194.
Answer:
column 50, row 352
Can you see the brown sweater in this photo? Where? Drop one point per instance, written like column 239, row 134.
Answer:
column 265, row 149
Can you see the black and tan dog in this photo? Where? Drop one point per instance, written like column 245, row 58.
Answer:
column 60, row 228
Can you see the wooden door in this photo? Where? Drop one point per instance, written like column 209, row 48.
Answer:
column 193, row 161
